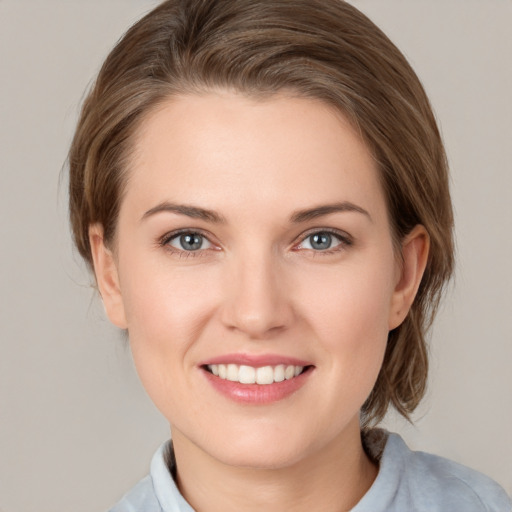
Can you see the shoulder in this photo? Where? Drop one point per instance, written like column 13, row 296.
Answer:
column 454, row 486
column 424, row 482
column 158, row 491
column 140, row 497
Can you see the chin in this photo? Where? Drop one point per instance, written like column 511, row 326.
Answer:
column 261, row 458
column 271, row 448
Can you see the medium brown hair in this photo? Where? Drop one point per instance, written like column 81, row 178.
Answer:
column 324, row 49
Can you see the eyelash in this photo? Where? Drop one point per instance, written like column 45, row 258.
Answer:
column 344, row 240
column 182, row 253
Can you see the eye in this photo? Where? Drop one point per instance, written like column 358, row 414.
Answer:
column 188, row 241
column 324, row 241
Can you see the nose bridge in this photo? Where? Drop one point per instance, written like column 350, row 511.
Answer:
column 257, row 301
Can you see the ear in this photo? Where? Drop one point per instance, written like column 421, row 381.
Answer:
column 415, row 249
column 107, row 277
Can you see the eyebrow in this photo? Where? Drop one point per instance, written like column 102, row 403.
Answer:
column 297, row 217
column 183, row 209
column 320, row 211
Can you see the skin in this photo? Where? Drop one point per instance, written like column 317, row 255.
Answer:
column 258, row 286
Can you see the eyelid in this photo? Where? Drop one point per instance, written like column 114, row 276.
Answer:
column 164, row 241
column 343, row 237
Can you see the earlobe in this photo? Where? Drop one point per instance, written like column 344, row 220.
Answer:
column 107, row 277
column 415, row 249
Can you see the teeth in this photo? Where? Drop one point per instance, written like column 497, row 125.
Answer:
column 246, row 375
column 249, row 375
column 279, row 373
column 232, row 372
column 289, row 372
column 265, row 375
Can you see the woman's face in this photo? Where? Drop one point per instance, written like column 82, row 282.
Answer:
column 254, row 243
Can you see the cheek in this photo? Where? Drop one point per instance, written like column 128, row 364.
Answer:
column 166, row 310
column 355, row 299
column 350, row 317
column 166, row 314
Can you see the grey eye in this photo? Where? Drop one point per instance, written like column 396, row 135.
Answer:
column 320, row 241
column 189, row 242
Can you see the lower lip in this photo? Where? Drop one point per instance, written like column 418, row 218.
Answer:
column 258, row 393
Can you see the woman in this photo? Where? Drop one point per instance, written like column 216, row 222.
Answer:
column 261, row 191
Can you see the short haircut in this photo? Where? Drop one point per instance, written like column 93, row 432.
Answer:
column 323, row 49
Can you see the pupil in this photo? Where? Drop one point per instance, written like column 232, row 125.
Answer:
column 321, row 241
column 191, row 242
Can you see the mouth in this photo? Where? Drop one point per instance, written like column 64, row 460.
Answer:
column 263, row 375
column 256, row 379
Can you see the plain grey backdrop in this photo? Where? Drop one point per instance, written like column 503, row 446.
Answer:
column 76, row 429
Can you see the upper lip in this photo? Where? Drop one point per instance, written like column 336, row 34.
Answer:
column 257, row 361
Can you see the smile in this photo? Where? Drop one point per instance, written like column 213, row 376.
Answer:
column 264, row 375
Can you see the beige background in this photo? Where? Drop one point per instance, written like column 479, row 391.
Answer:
column 76, row 429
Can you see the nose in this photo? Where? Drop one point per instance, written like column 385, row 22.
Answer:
column 257, row 298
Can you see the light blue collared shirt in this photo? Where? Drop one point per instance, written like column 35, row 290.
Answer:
column 407, row 481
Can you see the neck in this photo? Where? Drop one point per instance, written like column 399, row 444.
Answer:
column 332, row 479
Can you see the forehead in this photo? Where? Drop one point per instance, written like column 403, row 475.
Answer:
column 234, row 150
